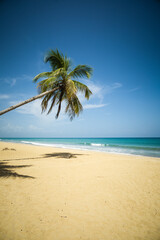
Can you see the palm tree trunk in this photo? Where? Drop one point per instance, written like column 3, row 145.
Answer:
column 27, row 101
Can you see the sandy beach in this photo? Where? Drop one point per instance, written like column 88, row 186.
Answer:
column 63, row 194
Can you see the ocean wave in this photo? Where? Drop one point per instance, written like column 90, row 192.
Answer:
column 101, row 147
column 118, row 146
column 136, row 147
column 98, row 144
column 37, row 143
column 58, row 145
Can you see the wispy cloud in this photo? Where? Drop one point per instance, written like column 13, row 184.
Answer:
column 98, row 94
column 97, row 90
column 34, row 128
column 92, row 106
column 112, row 87
column 9, row 127
column 96, row 101
column 134, row 89
column 34, row 108
column 12, row 81
column 4, row 96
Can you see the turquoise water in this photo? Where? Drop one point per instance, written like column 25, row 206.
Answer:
column 135, row 146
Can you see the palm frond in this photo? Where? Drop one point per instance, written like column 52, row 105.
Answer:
column 70, row 110
column 67, row 64
column 74, row 107
column 81, row 71
column 53, row 102
column 83, row 88
column 60, row 78
column 55, row 58
column 45, row 101
column 46, row 84
column 59, row 102
column 70, row 88
column 41, row 75
column 57, row 72
column 77, row 105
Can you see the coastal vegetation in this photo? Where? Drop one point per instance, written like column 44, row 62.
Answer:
column 60, row 84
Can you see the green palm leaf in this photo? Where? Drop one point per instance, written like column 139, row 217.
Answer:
column 55, row 58
column 41, row 75
column 83, row 88
column 70, row 88
column 45, row 101
column 53, row 102
column 81, row 71
column 47, row 84
column 73, row 107
column 60, row 78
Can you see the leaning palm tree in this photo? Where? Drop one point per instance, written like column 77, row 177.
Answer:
column 60, row 84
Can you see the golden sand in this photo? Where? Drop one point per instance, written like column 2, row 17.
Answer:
column 63, row 194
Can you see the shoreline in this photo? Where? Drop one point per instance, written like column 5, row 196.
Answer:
column 79, row 149
column 71, row 194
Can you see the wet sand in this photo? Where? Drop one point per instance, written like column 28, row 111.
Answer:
column 63, row 194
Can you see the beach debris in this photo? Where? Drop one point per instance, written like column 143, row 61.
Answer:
column 5, row 149
column 155, row 212
column 63, row 216
column 13, row 149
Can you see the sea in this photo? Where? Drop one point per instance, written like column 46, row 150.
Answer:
column 130, row 146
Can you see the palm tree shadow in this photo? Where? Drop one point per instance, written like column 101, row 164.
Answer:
column 47, row 155
column 60, row 155
column 6, row 171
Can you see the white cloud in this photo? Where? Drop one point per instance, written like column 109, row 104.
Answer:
column 97, row 90
column 100, row 91
column 96, row 101
column 34, row 108
column 110, row 88
column 34, row 128
column 4, row 96
column 12, row 81
column 116, row 85
column 92, row 106
column 11, row 128
column 134, row 89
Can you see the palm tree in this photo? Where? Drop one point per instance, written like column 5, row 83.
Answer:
column 60, row 85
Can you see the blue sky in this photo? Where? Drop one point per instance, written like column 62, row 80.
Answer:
column 120, row 39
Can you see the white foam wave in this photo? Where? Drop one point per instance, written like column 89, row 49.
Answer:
column 60, row 145
column 97, row 144
column 92, row 147
column 38, row 144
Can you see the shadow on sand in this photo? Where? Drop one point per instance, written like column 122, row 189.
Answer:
column 60, row 155
column 6, row 169
column 48, row 155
